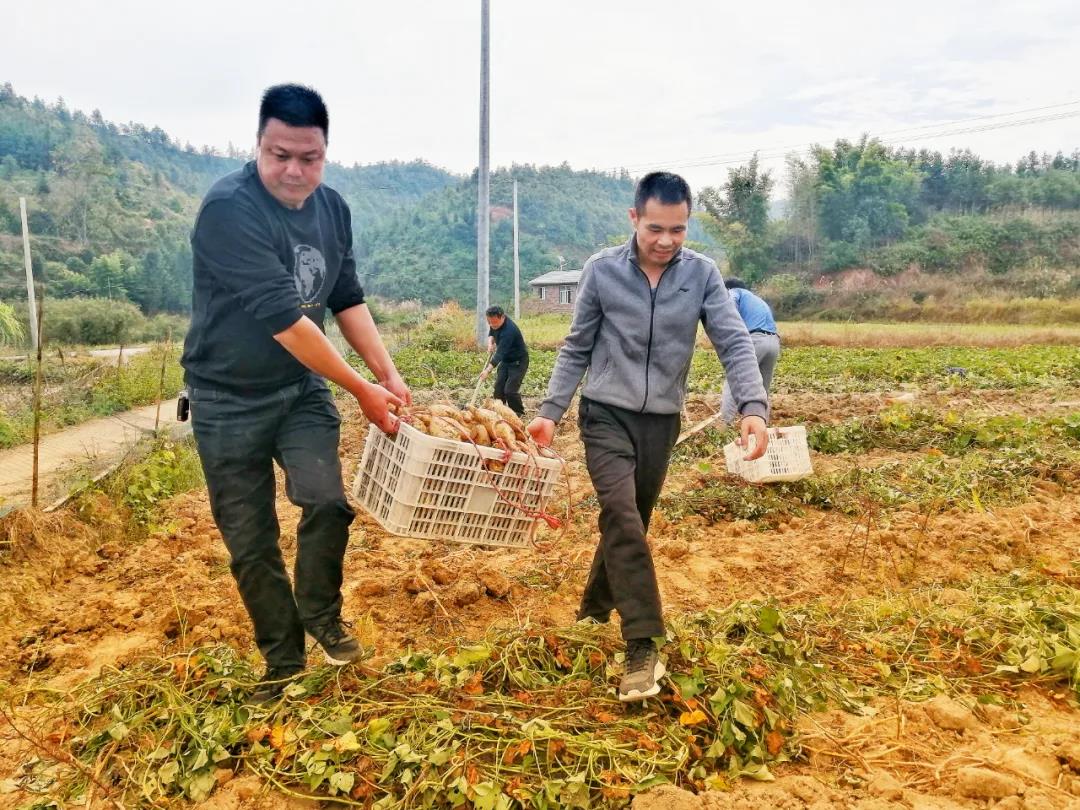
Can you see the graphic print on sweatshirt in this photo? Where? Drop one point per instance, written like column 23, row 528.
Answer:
column 309, row 272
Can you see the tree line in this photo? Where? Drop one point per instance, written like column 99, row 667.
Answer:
column 861, row 203
column 111, row 207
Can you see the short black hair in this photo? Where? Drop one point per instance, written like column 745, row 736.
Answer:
column 665, row 187
column 494, row 312
column 736, row 284
column 295, row 105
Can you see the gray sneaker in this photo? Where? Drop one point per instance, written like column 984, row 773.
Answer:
column 643, row 671
column 338, row 644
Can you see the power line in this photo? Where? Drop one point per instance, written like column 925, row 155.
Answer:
column 888, row 141
column 779, row 151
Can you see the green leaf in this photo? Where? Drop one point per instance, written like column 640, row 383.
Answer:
column 768, row 620
column 347, row 743
column 689, row 685
column 743, row 714
column 439, row 757
column 342, row 724
column 1063, row 662
column 200, row 786
column 168, row 772
column 467, row 656
column 1033, row 664
column 759, row 772
column 118, row 731
column 342, row 782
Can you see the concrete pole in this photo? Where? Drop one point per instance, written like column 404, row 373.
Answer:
column 483, row 203
column 29, row 276
column 517, row 261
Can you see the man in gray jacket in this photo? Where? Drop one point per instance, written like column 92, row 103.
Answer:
column 634, row 329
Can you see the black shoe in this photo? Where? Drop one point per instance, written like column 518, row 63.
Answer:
column 272, row 684
column 643, row 671
column 338, row 644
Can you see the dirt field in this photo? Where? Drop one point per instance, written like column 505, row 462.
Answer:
column 82, row 597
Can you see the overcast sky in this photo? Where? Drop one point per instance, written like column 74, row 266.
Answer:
column 664, row 84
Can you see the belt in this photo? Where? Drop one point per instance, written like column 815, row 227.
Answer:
column 762, row 332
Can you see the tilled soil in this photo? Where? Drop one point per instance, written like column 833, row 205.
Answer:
column 82, row 596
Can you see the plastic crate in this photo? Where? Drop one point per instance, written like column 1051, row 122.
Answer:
column 417, row 485
column 786, row 459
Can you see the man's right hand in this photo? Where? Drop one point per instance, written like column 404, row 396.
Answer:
column 375, row 402
column 542, row 431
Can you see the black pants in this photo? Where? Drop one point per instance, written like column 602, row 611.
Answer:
column 239, row 438
column 508, row 381
column 627, row 455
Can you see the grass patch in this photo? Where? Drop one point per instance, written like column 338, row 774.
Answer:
column 908, row 429
column 76, row 391
column 930, row 484
column 140, row 487
column 801, row 369
column 915, row 335
column 527, row 718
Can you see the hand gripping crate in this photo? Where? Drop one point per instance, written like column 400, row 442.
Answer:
column 786, row 459
column 417, row 485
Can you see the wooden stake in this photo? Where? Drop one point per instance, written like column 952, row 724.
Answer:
column 37, row 406
column 161, row 383
column 700, row 426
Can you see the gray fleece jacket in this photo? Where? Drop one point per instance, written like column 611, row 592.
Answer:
column 637, row 343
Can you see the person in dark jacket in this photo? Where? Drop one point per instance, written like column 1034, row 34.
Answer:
column 634, row 331
column 272, row 253
column 511, row 358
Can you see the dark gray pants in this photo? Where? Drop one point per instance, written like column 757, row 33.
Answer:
column 627, row 455
column 508, row 381
column 239, row 438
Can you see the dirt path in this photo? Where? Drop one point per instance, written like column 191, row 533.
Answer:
column 83, row 449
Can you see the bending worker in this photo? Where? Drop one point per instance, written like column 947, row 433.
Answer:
column 511, row 358
column 759, row 321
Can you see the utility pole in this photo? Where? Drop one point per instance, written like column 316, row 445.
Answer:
column 517, row 262
column 483, row 203
column 29, row 276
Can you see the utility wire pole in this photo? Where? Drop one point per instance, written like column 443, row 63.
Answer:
column 517, row 262
column 483, row 205
column 29, row 276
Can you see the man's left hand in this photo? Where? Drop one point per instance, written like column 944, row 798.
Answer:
column 396, row 386
column 485, row 373
column 754, row 426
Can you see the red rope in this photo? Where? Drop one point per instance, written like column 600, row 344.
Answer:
column 552, row 521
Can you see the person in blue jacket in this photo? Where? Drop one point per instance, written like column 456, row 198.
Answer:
column 761, row 325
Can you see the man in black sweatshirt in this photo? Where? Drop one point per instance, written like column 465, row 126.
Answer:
column 272, row 252
column 510, row 357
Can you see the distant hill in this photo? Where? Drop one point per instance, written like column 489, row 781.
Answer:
column 428, row 252
column 111, row 206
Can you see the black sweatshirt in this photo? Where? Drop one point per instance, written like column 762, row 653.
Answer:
column 258, row 268
column 509, row 344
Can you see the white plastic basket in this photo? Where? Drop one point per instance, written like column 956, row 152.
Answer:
column 417, row 485
column 786, row 459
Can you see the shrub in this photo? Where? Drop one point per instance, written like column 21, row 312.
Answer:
column 838, row 256
column 162, row 327
column 91, row 321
